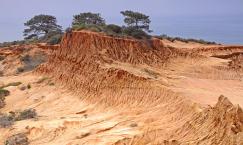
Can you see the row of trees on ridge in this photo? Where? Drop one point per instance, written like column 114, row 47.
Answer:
column 45, row 27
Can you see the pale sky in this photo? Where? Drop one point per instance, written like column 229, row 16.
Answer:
column 173, row 17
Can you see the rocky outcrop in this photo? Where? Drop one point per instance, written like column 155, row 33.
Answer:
column 80, row 64
column 85, row 63
column 221, row 124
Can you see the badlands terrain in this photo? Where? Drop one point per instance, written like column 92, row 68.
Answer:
column 96, row 89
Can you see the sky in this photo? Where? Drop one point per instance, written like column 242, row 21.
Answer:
column 216, row 20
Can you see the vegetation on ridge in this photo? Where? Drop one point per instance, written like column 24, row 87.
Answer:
column 44, row 28
column 172, row 39
column 136, row 20
column 88, row 19
column 136, row 24
column 41, row 25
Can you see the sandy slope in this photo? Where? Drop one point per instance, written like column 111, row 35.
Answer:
column 120, row 91
column 60, row 113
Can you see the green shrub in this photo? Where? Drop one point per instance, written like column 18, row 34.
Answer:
column 30, row 62
column 6, row 121
column 78, row 27
column 42, row 80
column 133, row 32
column 52, row 37
column 95, row 28
column 172, row 39
column 114, row 28
column 91, row 27
column 56, row 39
column 11, row 84
column 17, row 139
column 23, row 115
column 7, row 44
column 4, row 92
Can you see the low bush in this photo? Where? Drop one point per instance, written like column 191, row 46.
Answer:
column 11, row 84
column 7, row 44
column 114, row 30
column 78, row 27
column 17, row 139
column 52, row 38
column 42, row 80
column 172, row 39
column 3, row 94
column 6, row 121
column 139, row 34
column 93, row 28
column 55, row 40
column 30, row 62
column 23, row 115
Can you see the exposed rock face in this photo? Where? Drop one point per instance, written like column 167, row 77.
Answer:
column 219, row 50
column 221, row 124
column 80, row 63
column 86, row 63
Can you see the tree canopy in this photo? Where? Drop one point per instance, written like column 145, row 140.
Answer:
column 136, row 20
column 41, row 25
column 88, row 19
